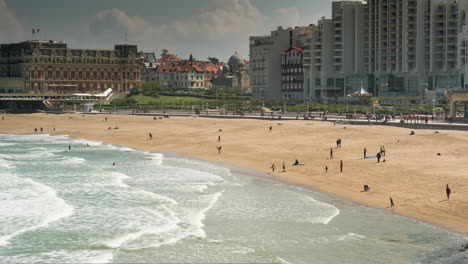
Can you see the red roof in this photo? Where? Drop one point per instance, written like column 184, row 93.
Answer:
column 197, row 66
column 294, row 48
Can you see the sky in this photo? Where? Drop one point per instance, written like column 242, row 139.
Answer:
column 204, row 28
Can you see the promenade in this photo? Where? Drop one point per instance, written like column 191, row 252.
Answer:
column 438, row 124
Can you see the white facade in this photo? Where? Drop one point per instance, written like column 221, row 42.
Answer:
column 391, row 47
column 334, row 53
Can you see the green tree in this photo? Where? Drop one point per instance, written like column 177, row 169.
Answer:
column 213, row 60
column 149, row 89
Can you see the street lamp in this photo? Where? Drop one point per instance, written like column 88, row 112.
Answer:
column 308, row 112
column 423, row 91
column 433, row 108
column 347, row 104
column 383, row 84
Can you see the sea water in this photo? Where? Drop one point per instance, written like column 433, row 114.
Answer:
column 98, row 203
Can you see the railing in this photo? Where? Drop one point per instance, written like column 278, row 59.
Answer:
column 51, row 97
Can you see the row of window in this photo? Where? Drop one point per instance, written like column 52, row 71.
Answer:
column 80, row 61
column 292, row 70
column 293, row 79
column 81, row 76
column 292, row 87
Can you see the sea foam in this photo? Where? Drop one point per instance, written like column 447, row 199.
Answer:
column 44, row 195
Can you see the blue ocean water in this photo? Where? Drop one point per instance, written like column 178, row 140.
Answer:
column 59, row 205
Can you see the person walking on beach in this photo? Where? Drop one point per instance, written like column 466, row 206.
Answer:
column 331, row 153
column 378, row 157
column 35, row 130
column 219, row 138
column 284, row 166
column 341, row 165
column 326, row 168
column 273, row 167
column 150, row 136
column 365, row 152
column 270, row 129
column 391, row 202
column 42, row 130
column 448, row 191
column 219, row 149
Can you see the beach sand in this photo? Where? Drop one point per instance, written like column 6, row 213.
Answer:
column 412, row 174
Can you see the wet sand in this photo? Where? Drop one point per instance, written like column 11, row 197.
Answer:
column 412, row 174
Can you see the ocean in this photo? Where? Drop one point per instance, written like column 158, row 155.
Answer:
column 100, row 203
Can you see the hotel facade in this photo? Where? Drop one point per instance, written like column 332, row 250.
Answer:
column 390, row 47
column 40, row 67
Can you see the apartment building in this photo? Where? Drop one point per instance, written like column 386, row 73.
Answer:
column 413, row 46
column 390, row 47
column 51, row 67
column 333, row 53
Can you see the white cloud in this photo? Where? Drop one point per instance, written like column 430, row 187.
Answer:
column 11, row 29
column 231, row 19
column 291, row 16
column 287, row 16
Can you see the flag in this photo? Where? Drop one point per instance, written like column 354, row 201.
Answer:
column 36, row 30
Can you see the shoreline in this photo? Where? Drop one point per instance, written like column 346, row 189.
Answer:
column 197, row 150
column 263, row 175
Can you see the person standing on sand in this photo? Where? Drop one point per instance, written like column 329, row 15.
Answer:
column 35, row 130
column 365, row 152
column 331, row 153
column 150, row 136
column 284, row 166
column 219, row 138
column 326, row 168
column 270, row 129
column 42, row 130
column 273, row 167
column 448, row 191
column 341, row 165
column 391, row 202
column 378, row 157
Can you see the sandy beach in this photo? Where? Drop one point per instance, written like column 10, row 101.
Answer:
column 412, row 174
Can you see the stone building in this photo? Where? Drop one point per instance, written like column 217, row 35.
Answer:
column 51, row 67
column 235, row 74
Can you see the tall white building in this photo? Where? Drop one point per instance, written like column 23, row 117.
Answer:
column 333, row 54
column 390, row 47
column 413, row 46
